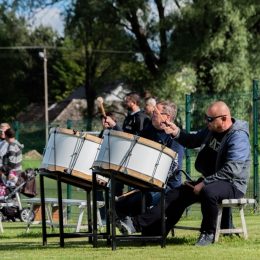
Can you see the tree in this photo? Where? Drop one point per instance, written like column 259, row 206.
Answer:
column 89, row 27
column 215, row 39
column 12, row 31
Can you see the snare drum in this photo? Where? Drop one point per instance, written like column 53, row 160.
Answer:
column 135, row 156
column 71, row 152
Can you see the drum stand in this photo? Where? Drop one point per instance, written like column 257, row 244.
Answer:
column 81, row 183
column 133, row 182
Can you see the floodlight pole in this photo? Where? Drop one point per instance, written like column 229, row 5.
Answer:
column 46, row 96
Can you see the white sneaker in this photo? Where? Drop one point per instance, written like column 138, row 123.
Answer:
column 126, row 226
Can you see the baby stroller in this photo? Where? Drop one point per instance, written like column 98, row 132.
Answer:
column 25, row 185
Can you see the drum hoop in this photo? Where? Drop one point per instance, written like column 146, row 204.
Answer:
column 132, row 173
column 157, row 146
column 70, row 132
column 81, row 175
column 119, row 133
column 143, row 141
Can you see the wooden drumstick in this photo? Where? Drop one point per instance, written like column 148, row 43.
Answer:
column 100, row 101
column 152, row 103
column 126, row 194
column 188, row 184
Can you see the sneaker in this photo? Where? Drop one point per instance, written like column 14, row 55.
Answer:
column 205, row 239
column 125, row 226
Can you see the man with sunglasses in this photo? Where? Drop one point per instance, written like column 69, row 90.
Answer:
column 224, row 162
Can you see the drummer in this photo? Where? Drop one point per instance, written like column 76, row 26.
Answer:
column 109, row 122
column 131, row 205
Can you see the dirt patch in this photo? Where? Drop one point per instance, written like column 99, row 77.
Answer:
column 33, row 154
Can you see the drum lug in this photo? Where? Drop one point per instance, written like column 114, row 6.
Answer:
column 57, row 129
column 125, row 171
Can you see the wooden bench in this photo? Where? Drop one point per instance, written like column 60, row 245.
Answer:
column 49, row 202
column 240, row 203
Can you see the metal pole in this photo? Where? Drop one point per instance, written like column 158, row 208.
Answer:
column 255, row 137
column 69, row 186
column 46, row 95
column 16, row 130
column 187, row 151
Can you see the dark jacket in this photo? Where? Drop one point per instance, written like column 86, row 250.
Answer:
column 133, row 124
column 233, row 156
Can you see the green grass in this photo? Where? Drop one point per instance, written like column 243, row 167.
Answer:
column 16, row 244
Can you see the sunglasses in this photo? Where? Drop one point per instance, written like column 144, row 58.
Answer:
column 211, row 119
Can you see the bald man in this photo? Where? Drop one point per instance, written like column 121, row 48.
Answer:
column 224, row 162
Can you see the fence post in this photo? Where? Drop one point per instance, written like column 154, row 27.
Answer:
column 68, row 185
column 187, row 151
column 16, row 130
column 255, row 137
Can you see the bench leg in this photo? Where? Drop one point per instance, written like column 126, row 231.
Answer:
column 220, row 208
column 1, row 226
column 80, row 217
column 242, row 216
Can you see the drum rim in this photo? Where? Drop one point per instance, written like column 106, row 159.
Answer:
column 71, row 133
column 132, row 173
column 79, row 174
column 144, row 141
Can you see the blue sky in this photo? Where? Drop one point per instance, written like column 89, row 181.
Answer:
column 49, row 17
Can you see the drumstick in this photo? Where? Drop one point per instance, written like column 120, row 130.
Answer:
column 100, row 101
column 152, row 103
column 126, row 194
column 188, row 184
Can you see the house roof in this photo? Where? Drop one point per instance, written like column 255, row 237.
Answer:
column 72, row 106
column 36, row 111
column 79, row 93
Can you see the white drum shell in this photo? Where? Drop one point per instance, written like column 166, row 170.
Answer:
column 62, row 149
column 147, row 161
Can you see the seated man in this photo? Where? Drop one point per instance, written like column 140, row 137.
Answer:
column 223, row 160
column 131, row 204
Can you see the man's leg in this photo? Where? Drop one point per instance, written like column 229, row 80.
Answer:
column 210, row 196
column 130, row 205
column 154, row 214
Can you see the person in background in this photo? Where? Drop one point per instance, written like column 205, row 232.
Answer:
column 12, row 160
column 224, row 162
column 109, row 122
column 148, row 109
column 12, row 179
column 3, row 145
column 134, row 121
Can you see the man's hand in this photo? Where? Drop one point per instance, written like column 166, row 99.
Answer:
column 110, row 121
column 198, row 188
column 170, row 128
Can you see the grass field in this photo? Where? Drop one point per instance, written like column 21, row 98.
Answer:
column 16, row 244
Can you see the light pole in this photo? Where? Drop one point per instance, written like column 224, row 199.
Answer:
column 44, row 56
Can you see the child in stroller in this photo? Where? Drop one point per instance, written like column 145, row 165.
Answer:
column 10, row 193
